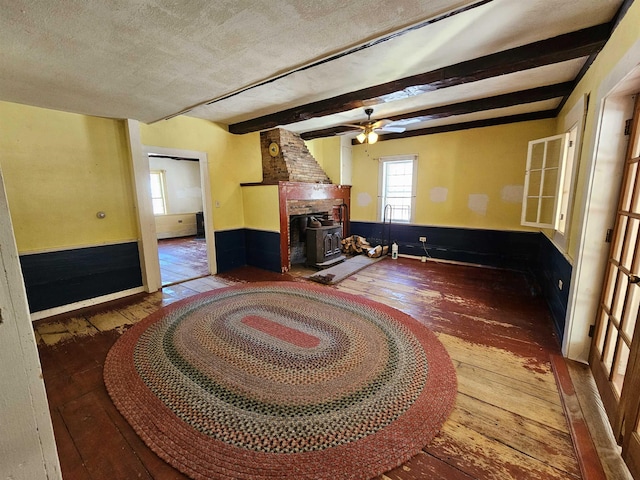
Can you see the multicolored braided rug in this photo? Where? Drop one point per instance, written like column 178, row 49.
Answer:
column 281, row 381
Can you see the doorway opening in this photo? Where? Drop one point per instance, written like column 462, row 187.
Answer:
column 176, row 196
column 179, row 241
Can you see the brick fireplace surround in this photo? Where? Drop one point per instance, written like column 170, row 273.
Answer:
column 298, row 198
column 303, row 186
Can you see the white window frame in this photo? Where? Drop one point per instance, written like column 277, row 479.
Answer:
column 163, row 190
column 574, row 125
column 414, row 177
column 543, row 193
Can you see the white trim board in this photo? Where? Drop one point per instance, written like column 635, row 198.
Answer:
column 90, row 302
column 148, row 246
column 77, row 247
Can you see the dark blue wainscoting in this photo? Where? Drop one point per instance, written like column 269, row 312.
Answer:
column 550, row 267
column 230, row 249
column 495, row 248
column 54, row 279
column 263, row 249
column 530, row 252
column 245, row 246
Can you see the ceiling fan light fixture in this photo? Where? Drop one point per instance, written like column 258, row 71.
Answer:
column 372, row 137
column 362, row 137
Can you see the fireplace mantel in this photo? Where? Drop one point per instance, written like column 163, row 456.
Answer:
column 289, row 192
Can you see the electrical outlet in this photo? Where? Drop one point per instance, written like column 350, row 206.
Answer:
column 423, row 239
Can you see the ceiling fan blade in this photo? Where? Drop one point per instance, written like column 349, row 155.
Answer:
column 362, row 127
column 391, row 129
column 407, row 121
column 349, row 132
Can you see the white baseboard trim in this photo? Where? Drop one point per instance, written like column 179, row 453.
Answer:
column 440, row 260
column 84, row 303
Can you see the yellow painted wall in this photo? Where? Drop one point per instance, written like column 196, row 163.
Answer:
column 233, row 159
column 261, row 207
column 326, row 151
column 625, row 35
column 457, row 173
column 60, row 169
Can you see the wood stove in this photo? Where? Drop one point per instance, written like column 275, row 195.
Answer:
column 324, row 246
column 297, row 198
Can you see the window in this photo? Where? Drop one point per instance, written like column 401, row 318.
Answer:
column 543, row 181
column 550, row 179
column 397, row 188
column 158, row 192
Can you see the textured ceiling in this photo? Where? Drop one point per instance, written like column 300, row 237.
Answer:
column 233, row 61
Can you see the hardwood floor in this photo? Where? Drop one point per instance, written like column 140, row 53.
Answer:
column 508, row 422
column 182, row 259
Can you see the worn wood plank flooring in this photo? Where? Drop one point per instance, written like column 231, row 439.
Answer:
column 182, row 259
column 508, row 422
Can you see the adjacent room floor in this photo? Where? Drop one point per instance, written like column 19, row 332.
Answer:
column 508, row 423
column 182, row 259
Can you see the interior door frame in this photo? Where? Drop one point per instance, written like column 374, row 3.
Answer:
column 149, row 261
column 27, row 442
column 604, row 156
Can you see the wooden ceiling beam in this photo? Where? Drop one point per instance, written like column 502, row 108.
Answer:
column 545, row 52
column 470, row 106
column 488, row 122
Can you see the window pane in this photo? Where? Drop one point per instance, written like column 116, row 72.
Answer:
column 630, row 243
column 608, row 292
column 535, row 180
column 156, row 186
column 550, row 186
column 547, row 210
column 626, row 189
column 158, row 199
column 618, row 372
column 635, row 203
column 620, row 294
column 631, row 310
column 554, row 153
column 620, row 235
column 158, row 206
column 602, row 328
column 531, row 214
column 537, row 155
column 609, row 347
column 397, row 190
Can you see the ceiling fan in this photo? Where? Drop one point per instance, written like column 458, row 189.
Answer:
column 370, row 128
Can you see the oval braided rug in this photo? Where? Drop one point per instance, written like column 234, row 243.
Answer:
column 281, row 380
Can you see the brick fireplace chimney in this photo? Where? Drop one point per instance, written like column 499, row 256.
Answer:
column 286, row 158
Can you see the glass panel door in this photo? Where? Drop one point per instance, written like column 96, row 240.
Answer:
column 615, row 348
